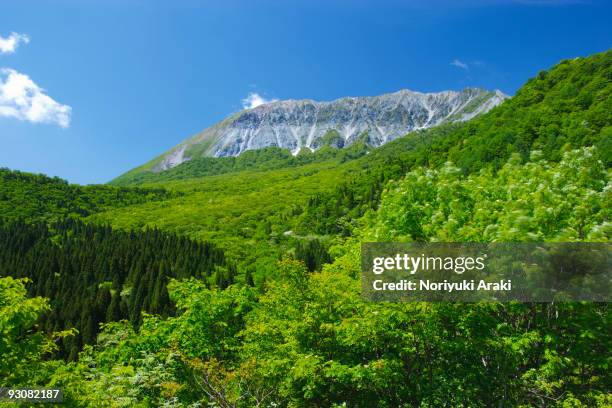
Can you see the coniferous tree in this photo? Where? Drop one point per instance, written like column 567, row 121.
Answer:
column 84, row 269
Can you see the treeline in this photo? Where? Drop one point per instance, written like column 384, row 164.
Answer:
column 269, row 158
column 94, row 274
column 36, row 197
column 566, row 107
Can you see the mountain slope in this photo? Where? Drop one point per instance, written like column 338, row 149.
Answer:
column 566, row 107
column 298, row 124
column 243, row 207
column 36, row 197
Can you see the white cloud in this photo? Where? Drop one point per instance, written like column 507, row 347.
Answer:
column 9, row 44
column 254, row 100
column 22, row 99
column 460, row 64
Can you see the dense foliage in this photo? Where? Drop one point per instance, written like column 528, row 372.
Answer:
column 36, row 197
column 250, row 214
column 536, row 201
column 93, row 274
column 22, row 346
column 293, row 330
column 312, row 340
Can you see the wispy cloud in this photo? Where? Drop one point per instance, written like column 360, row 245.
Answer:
column 253, row 100
column 460, row 64
column 9, row 44
column 22, row 99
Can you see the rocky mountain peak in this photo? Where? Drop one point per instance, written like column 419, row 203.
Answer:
column 297, row 124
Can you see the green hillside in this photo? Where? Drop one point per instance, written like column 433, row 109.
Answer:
column 289, row 327
column 567, row 107
column 269, row 158
column 36, row 197
column 253, row 203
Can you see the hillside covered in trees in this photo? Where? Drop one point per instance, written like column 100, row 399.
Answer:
column 312, row 340
column 569, row 106
column 269, row 313
column 93, row 274
column 36, row 197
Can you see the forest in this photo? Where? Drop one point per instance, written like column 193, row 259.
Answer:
column 236, row 282
column 36, row 197
column 92, row 274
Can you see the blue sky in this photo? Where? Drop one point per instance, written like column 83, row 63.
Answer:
column 98, row 87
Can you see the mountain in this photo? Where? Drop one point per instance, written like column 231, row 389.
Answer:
column 298, row 124
column 536, row 168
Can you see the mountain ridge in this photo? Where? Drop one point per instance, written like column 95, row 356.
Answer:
column 297, row 124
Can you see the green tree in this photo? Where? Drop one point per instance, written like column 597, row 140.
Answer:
column 22, row 346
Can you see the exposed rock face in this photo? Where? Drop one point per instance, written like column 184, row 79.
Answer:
column 297, row 124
